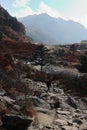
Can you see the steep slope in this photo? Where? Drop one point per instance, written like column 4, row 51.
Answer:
column 13, row 37
column 7, row 20
column 44, row 28
column 11, row 28
column 13, row 40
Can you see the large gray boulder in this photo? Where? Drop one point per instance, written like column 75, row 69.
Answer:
column 13, row 122
column 71, row 101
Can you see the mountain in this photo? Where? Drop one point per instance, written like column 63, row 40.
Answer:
column 44, row 28
column 13, row 39
column 7, row 20
column 11, row 28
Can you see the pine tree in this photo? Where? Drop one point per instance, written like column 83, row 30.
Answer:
column 41, row 56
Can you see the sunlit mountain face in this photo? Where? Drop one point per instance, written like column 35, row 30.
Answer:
column 44, row 28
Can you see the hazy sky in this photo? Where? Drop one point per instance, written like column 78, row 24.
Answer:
column 69, row 9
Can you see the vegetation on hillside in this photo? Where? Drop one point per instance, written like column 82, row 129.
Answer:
column 83, row 63
column 15, row 49
column 41, row 56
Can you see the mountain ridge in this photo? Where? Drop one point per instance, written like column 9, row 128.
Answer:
column 44, row 28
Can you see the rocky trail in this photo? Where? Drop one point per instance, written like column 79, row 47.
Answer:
column 52, row 110
column 60, row 111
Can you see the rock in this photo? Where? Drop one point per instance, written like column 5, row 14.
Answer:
column 16, row 107
column 13, row 122
column 6, row 99
column 71, row 101
column 52, row 95
column 43, row 95
column 37, row 102
column 63, row 112
column 43, row 110
column 2, row 92
column 61, row 122
column 70, row 122
column 84, row 125
column 54, row 102
column 78, row 121
column 69, row 128
column 55, row 105
column 44, row 119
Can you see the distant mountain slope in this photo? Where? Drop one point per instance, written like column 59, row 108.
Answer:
column 44, row 28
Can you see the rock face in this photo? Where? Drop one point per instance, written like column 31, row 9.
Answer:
column 11, row 29
column 7, row 20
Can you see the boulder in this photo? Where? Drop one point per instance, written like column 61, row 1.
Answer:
column 2, row 92
column 71, row 101
column 55, row 105
column 37, row 102
column 63, row 112
column 61, row 122
column 69, row 128
column 78, row 121
column 13, row 122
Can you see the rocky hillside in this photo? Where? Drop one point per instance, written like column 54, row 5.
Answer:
column 11, row 28
column 13, row 39
column 13, row 43
column 53, row 109
column 12, row 22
